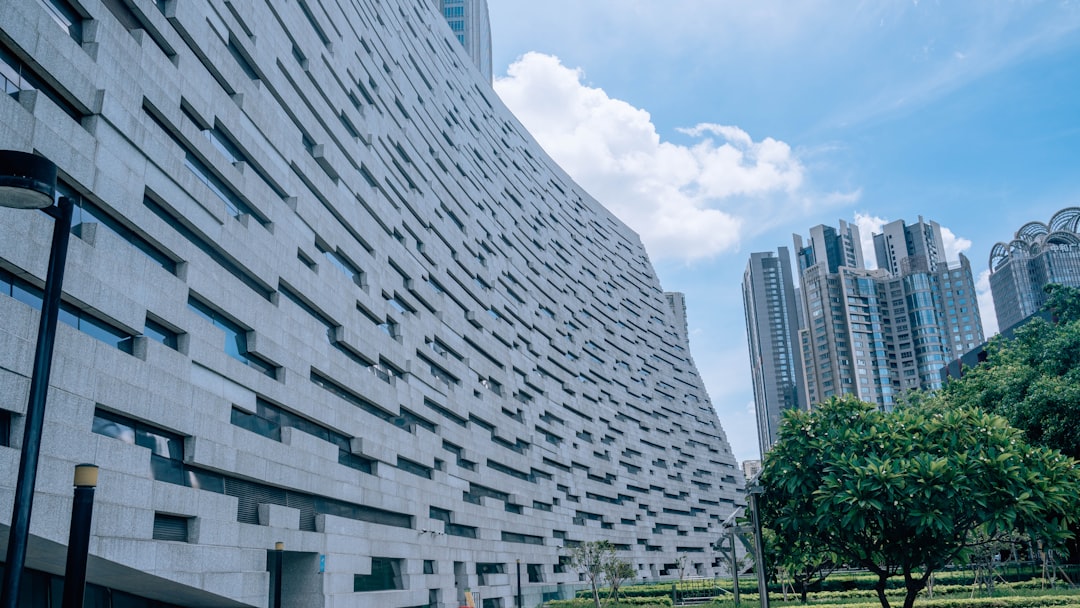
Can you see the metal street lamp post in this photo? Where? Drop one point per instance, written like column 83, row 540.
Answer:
column 518, row 603
column 279, row 554
column 82, row 512
column 29, row 182
column 755, row 492
column 731, row 525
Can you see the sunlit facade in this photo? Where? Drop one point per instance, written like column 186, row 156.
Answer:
column 875, row 333
column 323, row 289
column 772, row 329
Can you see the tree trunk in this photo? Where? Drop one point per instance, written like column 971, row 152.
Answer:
column 914, row 586
column 880, row 588
column 803, row 590
column 595, row 596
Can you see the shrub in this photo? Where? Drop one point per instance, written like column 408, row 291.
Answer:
column 624, row 602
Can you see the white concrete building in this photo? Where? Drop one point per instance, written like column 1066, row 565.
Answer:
column 323, row 289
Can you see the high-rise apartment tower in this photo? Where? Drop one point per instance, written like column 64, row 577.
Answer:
column 469, row 21
column 872, row 333
column 772, row 327
column 877, row 332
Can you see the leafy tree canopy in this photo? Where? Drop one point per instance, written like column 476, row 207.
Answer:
column 904, row 492
column 1033, row 379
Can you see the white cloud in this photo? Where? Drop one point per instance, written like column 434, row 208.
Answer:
column 954, row 245
column 868, row 225
column 686, row 201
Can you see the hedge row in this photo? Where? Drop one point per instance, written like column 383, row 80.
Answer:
column 629, row 602
column 939, row 589
column 846, row 587
column 847, row 582
column 1042, row 601
column 836, row 583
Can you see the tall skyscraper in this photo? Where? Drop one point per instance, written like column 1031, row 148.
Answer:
column 872, row 333
column 903, row 249
column 772, row 327
column 875, row 333
column 834, row 247
column 1038, row 255
column 468, row 19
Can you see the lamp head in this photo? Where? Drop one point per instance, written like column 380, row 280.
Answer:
column 86, row 476
column 27, row 181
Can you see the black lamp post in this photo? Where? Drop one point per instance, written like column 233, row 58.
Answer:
column 29, row 182
column 82, row 512
column 279, row 553
column 518, row 603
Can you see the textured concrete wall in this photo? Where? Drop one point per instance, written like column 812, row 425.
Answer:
column 504, row 353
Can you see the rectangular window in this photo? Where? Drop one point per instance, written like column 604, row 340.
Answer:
column 225, row 145
column 235, row 338
column 414, row 467
column 269, row 419
column 166, row 448
column 241, row 58
column 79, row 319
column 170, row 527
column 233, row 203
column 385, row 575
column 16, row 76
column 159, row 333
column 528, row 539
column 343, row 264
column 484, row 570
column 215, row 254
column 86, row 212
column 536, row 573
column 354, row 399
column 5, row 428
column 65, row 16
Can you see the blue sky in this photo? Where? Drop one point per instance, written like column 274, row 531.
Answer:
column 719, row 128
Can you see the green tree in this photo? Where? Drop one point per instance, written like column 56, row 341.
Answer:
column 617, row 572
column 793, row 555
column 1033, row 379
column 904, row 492
column 597, row 560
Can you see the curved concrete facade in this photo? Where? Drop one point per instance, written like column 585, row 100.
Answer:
column 323, row 289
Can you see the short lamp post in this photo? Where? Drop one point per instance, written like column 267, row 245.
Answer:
column 279, row 553
column 518, row 599
column 82, row 512
column 29, row 182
